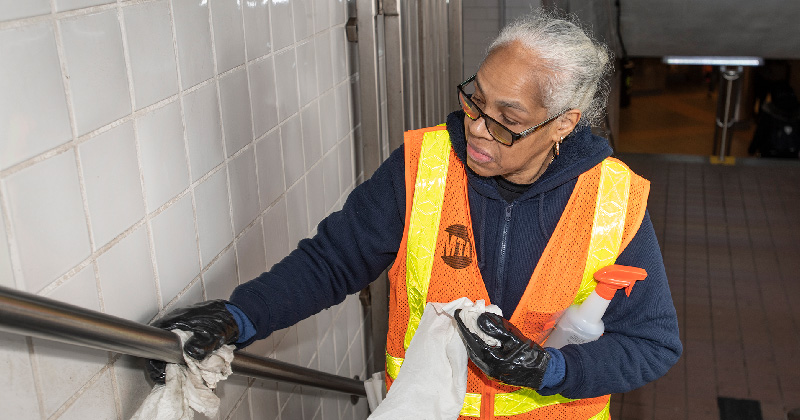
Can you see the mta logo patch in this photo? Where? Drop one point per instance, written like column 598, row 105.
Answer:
column 458, row 251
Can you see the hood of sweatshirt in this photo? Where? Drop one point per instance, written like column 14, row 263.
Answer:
column 580, row 151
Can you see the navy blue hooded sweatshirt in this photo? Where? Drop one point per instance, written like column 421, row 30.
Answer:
column 354, row 245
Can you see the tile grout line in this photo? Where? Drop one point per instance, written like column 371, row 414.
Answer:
column 226, row 159
column 253, row 137
column 720, row 172
column 186, row 153
column 702, row 196
column 278, row 126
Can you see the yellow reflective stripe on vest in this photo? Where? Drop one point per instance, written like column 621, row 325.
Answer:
column 605, row 414
column 393, row 365
column 472, row 405
column 514, row 403
column 520, row 401
column 424, row 225
column 608, row 225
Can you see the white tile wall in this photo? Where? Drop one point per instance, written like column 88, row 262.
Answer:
column 132, row 384
column 193, row 34
column 213, row 215
column 292, row 147
column 228, row 34
column 97, row 402
column 127, row 278
column 281, row 24
column 286, row 83
column 156, row 153
column 154, row 68
column 327, row 107
column 15, row 9
column 297, row 211
column 312, row 145
column 269, row 161
column 250, row 253
column 79, row 290
column 293, row 407
column 61, row 5
column 237, row 123
column 220, row 279
column 307, row 71
column 303, row 19
column 307, row 342
column 95, row 63
column 175, row 243
column 322, row 14
column 192, row 295
column 338, row 47
column 276, row 233
column 242, row 411
column 37, row 119
column 45, row 206
column 244, row 190
column 324, row 59
column 330, row 177
column 229, row 393
column 315, row 193
column 113, row 182
column 264, row 397
column 203, row 130
column 63, row 370
column 6, row 272
column 22, row 402
column 163, row 154
column 263, row 96
column 257, row 29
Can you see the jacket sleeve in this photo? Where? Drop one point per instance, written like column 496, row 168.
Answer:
column 350, row 250
column 641, row 340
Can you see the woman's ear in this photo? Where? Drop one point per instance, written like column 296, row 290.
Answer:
column 567, row 122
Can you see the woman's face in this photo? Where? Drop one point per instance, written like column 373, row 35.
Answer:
column 507, row 89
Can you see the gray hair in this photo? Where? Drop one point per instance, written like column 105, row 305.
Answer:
column 575, row 64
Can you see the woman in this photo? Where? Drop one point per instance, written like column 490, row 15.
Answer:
column 499, row 204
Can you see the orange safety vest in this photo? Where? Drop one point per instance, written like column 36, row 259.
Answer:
column 436, row 262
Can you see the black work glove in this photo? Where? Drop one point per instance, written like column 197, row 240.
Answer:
column 212, row 324
column 518, row 360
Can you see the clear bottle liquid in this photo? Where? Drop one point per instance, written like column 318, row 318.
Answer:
column 583, row 323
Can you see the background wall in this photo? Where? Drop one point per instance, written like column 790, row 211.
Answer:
column 483, row 20
column 158, row 153
column 683, row 27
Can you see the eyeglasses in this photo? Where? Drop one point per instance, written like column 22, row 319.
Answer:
column 498, row 131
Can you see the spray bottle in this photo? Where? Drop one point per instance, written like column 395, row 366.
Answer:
column 582, row 323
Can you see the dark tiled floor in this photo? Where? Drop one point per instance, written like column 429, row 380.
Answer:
column 730, row 236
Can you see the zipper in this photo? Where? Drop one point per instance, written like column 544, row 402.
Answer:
column 498, row 286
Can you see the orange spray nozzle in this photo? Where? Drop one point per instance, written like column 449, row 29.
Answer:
column 615, row 277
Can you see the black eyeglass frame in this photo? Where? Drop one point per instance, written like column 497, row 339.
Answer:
column 514, row 136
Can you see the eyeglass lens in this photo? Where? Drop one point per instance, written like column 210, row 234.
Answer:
column 497, row 131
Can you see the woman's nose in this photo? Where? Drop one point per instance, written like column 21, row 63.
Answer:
column 477, row 127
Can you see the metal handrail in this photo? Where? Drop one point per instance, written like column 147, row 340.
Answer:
column 28, row 314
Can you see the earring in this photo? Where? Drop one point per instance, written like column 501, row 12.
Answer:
column 557, row 148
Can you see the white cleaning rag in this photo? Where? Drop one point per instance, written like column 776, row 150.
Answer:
column 432, row 383
column 189, row 387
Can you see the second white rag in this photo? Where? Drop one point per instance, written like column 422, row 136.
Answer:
column 432, row 383
column 189, row 387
